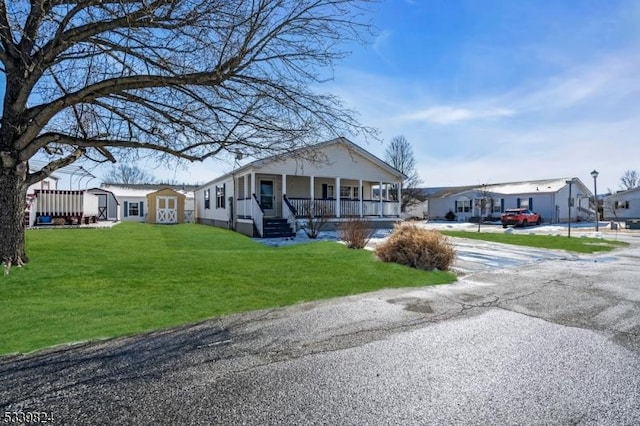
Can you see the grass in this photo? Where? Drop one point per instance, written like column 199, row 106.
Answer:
column 576, row 244
column 85, row 284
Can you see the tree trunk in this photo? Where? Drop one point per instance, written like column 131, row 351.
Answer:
column 13, row 198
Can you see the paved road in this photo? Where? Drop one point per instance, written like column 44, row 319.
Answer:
column 555, row 340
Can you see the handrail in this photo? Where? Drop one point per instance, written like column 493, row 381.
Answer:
column 258, row 217
column 288, row 203
column 255, row 197
column 290, row 213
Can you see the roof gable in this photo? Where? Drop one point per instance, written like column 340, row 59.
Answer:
column 313, row 156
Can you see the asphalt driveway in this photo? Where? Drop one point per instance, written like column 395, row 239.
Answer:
column 547, row 339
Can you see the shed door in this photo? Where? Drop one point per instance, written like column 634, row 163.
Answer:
column 102, row 207
column 167, row 210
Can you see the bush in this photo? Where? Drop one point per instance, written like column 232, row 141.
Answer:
column 356, row 232
column 417, row 247
column 316, row 218
column 450, row 216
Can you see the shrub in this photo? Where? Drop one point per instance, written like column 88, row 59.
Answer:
column 450, row 216
column 316, row 218
column 356, row 232
column 417, row 247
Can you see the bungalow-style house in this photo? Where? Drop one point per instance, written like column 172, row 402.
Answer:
column 549, row 197
column 624, row 205
column 273, row 196
column 133, row 202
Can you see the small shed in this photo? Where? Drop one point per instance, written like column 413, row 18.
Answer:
column 108, row 205
column 165, row 206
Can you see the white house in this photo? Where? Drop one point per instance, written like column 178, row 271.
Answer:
column 281, row 191
column 132, row 199
column 623, row 205
column 549, row 197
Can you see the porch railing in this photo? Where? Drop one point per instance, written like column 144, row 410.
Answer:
column 244, row 208
column 258, row 215
column 304, row 207
column 289, row 213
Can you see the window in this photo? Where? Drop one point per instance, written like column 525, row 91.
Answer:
column 496, row 205
column 207, row 198
column 621, row 205
column 463, row 206
column 220, row 196
column 134, row 209
column 349, row 192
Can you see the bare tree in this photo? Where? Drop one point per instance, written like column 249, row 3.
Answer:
column 483, row 202
column 128, row 174
column 399, row 154
column 105, row 79
column 630, row 180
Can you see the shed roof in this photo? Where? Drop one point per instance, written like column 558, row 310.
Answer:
column 142, row 190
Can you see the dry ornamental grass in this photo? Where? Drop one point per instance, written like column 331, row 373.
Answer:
column 417, row 247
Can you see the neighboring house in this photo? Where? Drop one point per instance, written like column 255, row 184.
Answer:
column 622, row 205
column 282, row 191
column 133, row 203
column 166, row 206
column 549, row 197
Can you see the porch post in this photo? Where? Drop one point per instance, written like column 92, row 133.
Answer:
column 380, row 213
column 360, row 196
column 253, row 190
column 312, row 187
column 399, row 198
column 337, row 194
column 245, row 191
column 284, row 192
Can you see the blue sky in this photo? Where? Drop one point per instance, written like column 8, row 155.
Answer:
column 490, row 91
column 496, row 91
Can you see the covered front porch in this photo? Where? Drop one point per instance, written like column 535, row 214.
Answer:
column 294, row 198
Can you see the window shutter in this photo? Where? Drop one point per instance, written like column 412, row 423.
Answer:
column 224, row 194
column 501, row 205
column 518, row 203
column 126, row 209
column 455, row 206
column 141, row 209
column 324, row 190
column 530, row 203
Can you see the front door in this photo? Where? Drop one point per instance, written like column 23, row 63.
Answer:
column 167, row 210
column 267, row 197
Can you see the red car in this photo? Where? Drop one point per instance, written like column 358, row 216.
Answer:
column 520, row 217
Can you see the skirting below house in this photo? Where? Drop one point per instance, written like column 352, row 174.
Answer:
column 213, row 222
column 376, row 223
column 246, row 227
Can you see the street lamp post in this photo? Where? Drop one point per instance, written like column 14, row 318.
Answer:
column 569, row 182
column 594, row 175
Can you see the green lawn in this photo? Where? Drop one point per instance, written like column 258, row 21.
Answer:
column 85, row 284
column 576, row 244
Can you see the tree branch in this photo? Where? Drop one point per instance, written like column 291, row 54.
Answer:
column 53, row 166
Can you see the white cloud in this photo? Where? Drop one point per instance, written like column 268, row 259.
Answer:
column 449, row 115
